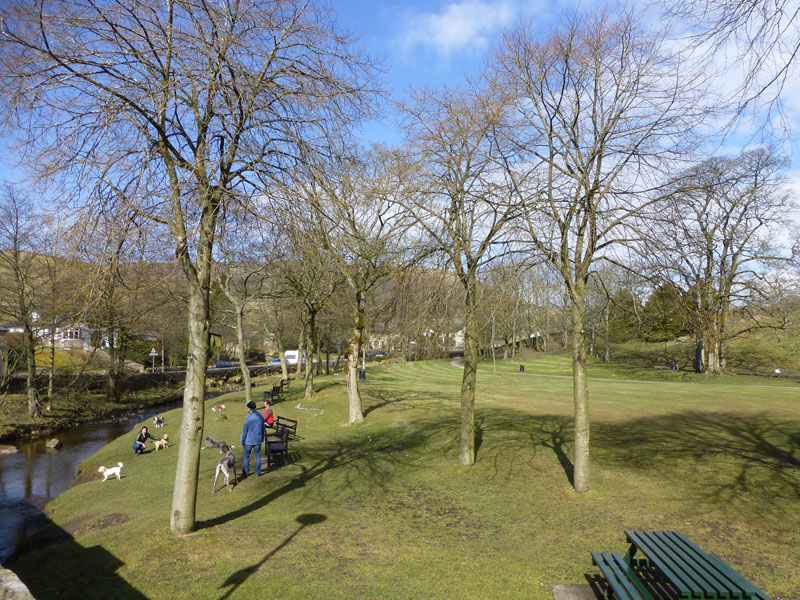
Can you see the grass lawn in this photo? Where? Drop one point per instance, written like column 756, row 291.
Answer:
column 382, row 510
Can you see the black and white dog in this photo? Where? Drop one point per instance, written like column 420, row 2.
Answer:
column 226, row 466
column 159, row 421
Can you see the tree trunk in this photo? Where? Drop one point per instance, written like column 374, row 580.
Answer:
column 580, row 392
column 607, row 351
column 699, row 356
column 245, row 370
column 30, row 360
column 312, row 349
column 51, row 378
column 301, row 351
column 184, row 498
column 282, row 354
column 354, row 397
column 466, row 452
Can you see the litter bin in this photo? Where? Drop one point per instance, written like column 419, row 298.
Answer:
column 362, row 374
column 522, row 368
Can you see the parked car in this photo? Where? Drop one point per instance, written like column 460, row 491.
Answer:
column 220, row 364
column 274, row 361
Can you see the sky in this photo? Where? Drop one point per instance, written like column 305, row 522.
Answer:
column 436, row 42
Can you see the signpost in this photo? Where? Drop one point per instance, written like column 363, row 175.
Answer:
column 153, row 354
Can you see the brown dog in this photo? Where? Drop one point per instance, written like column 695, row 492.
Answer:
column 163, row 442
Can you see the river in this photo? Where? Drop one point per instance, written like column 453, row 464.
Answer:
column 35, row 475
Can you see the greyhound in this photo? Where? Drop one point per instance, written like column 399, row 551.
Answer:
column 227, row 464
column 210, row 443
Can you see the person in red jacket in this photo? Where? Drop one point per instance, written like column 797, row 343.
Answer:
column 269, row 418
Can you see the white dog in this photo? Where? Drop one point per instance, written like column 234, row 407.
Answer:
column 159, row 421
column 111, row 471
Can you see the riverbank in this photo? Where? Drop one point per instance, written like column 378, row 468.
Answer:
column 71, row 411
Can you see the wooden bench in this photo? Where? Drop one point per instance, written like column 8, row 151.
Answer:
column 277, row 445
column 288, row 425
column 621, row 578
column 693, row 573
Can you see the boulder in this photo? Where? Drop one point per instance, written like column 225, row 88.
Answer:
column 6, row 449
column 54, row 443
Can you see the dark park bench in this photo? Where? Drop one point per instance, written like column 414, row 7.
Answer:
column 691, row 572
column 277, row 438
column 290, row 425
column 276, row 393
column 276, row 445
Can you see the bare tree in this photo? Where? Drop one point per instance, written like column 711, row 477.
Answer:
column 597, row 107
column 311, row 279
column 21, row 271
column 362, row 228
column 761, row 38
column 248, row 255
column 460, row 200
column 714, row 239
column 190, row 101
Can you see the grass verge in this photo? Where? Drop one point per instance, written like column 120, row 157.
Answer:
column 382, row 510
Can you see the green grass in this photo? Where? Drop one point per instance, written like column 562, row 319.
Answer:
column 382, row 510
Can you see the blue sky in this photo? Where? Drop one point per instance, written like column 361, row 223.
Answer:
column 436, row 42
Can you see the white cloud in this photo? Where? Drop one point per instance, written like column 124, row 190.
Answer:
column 459, row 26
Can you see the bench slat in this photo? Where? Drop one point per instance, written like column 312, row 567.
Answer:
column 620, row 577
column 694, row 572
column 705, row 571
column 631, row 574
column 739, row 578
column 696, row 566
column 673, row 571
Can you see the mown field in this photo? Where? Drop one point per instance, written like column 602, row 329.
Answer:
column 382, row 510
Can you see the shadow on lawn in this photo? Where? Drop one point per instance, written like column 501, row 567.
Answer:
column 238, row 578
column 361, row 460
column 761, row 452
column 61, row 558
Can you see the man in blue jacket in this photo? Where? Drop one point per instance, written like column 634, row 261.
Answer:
column 252, row 438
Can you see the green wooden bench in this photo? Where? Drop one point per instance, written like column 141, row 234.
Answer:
column 691, row 572
column 621, row 578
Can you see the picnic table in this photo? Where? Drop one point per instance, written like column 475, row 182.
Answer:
column 691, row 572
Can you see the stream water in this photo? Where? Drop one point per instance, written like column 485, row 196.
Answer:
column 35, row 475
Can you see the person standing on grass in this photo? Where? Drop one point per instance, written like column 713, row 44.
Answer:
column 252, row 438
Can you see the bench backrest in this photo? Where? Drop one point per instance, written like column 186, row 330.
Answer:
column 288, row 425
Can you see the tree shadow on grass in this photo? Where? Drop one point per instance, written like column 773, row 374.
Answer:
column 360, row 462
column 59, row 558
column 761, row 452
column 401, row 400
column 234, row 581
